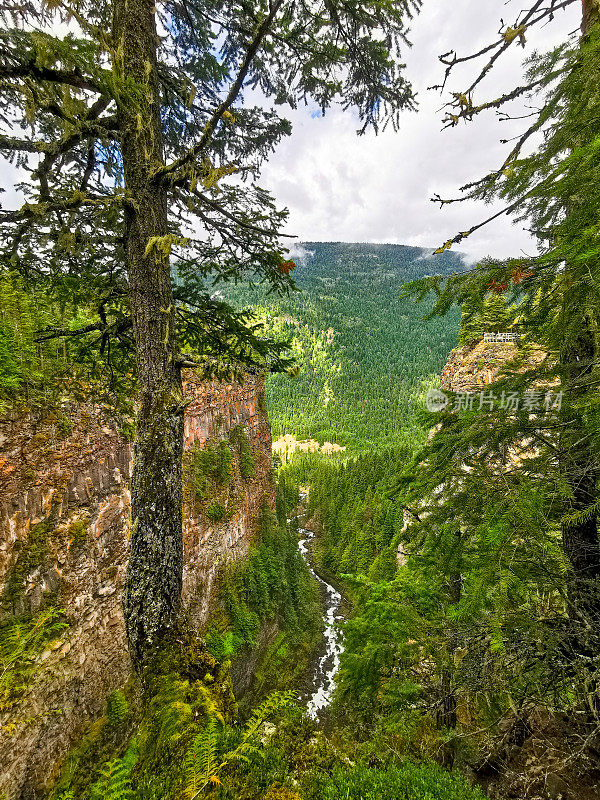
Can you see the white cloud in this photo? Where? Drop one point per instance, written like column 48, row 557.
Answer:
column 300, row 254
column 341, row 187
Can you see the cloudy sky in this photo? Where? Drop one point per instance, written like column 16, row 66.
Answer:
column 340, row 187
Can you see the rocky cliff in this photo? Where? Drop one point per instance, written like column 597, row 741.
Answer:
column 64, row 516
column 474, row 366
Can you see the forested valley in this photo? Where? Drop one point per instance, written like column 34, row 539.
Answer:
column 364, row 355
column 401, row 599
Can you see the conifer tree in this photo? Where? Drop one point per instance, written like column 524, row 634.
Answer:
column 125, row 119
column 545, row 460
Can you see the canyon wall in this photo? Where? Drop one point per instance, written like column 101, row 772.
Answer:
column 474, row 366
column 64, row 517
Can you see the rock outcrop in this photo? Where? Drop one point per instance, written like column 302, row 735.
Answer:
column 64, row 517
column 474, row 366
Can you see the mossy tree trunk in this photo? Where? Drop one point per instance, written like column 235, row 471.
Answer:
column 154, row 576
column 577, row 361
column 578, row 458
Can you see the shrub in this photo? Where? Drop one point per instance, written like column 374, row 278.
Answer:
column 212, row 464
column 216, row 512
column 237, row 436
column 406, row 782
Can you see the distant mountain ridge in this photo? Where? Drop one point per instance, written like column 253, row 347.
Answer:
column 365, row 355
column 396, row 255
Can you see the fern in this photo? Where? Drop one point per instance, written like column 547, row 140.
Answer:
column 114, row 782
column 201, row 765
column 20, row 644
column 117, row 708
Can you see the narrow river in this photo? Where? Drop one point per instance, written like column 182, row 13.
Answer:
column 328, row 664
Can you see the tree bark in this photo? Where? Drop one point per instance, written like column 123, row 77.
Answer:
column 590, row 14
column 154, row 575
column 580, row 541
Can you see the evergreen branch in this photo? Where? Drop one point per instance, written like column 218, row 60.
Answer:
column 33, row 211
column 31, row 69
column 12, row 144
column 171, row 169
column 116, row 328
column 465, row 234
column 450, row 59
column 59, row 333
column 467, row 110
column 242, row 223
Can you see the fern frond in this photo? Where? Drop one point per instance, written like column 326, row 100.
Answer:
column 200, row 764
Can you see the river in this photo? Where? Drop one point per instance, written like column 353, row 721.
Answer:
column 328, row 663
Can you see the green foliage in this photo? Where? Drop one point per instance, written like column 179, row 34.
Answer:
column 204, row 760
column 117, row 709
column 237, row 436
column 201, row 764
column 508, row 534
column 20, row 644
column 406, row 782
column 70, row 225
column 216, row 512
column 361, row 524
column 362, row 351
column 114, row 782
column 39, row 371
column 490, row 312
column 208, row 467
column 79, row 529
column 19, row 361
column 273, row 583
column 32, row 553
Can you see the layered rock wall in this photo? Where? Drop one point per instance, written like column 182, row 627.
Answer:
column 64, row 518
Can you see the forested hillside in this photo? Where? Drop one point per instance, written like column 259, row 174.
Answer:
column 363, row 352
column 184, row 617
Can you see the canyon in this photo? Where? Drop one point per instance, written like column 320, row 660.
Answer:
column 64, row 519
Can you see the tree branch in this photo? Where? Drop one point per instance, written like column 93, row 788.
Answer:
column 170, row 170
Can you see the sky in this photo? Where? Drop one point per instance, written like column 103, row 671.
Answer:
column 342, row 187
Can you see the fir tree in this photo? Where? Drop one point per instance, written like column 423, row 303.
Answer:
column 127, row 124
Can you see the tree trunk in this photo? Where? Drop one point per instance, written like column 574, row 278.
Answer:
column 590, row 15
column 154, row 575
column 577, row 358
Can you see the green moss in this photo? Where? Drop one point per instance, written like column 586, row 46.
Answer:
column 216, row 512
column 64, row 426
column 78, row 530
column 32, row 553
column 407, row 781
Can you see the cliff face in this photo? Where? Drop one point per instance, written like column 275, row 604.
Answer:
column 64, row 517
column 476, row 365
